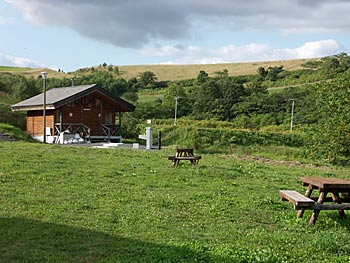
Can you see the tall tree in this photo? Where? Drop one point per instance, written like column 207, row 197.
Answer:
column 147, row 80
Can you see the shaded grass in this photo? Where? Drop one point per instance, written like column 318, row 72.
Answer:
column 68, row 204
column 15, row 132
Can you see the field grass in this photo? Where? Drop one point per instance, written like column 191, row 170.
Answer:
column 169, row 72
column 35, row 72
column 11, row 69
column 78, row 204
column 14, row 132
column 182, row 72
column 149, row 95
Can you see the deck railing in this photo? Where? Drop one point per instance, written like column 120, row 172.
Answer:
column 110, row 130
column 73, row 128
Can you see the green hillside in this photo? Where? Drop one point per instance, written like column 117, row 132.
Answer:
column 284, row 96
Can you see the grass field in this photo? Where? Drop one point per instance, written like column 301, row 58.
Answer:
column 169, row 72
column 78, row 204
column 13, row 69
column 34, row 72
column 182, row 72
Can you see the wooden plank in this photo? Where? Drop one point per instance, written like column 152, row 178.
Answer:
column 327, row 183
column 332, row 206
column 187, row 157
column 297, row 199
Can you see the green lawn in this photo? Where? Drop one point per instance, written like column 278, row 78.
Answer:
column 77, row 204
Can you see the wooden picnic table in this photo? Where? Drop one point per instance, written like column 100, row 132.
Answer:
column 334, row 186
column 184, row 154
column 339, row 190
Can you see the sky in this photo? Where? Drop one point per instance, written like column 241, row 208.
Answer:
column 73, row 34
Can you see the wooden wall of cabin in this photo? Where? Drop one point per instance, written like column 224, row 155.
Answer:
column 92, row 117
column 35, row 122
column 90, row 110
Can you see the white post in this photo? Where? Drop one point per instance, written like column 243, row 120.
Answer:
column 149, row 138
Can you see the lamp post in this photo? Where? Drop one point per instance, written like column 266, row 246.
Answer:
column 44, row 74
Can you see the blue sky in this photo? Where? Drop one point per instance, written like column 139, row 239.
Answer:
column 72, row 34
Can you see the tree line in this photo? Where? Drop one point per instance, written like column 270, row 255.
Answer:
column 320, row 92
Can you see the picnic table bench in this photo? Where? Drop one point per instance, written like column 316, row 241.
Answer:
column 184, row 154
column 338, row 188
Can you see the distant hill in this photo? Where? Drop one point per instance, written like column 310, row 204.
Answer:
column 168, row 72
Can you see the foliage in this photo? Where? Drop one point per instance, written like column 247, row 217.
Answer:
column 251, row 102
column 331, row 134
column 7, row 116
column 147, row 79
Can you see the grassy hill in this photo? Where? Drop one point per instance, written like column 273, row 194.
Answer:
column 181, row 72
column 32, row 72
column 169, row 72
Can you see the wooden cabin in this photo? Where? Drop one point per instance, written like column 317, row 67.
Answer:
column 87, row 111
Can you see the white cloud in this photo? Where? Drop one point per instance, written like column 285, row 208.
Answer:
column 243, row 53
column 4, row 20
column 135, row 23
column 13, row 61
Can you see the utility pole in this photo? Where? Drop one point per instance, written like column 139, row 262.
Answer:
column 176, row 98
column 292, row 117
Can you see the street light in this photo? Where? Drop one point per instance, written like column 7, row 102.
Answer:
column 44, row 74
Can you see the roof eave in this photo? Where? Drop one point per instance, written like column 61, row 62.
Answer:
column 32, row 108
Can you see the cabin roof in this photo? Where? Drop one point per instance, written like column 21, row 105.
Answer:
column 58, row 97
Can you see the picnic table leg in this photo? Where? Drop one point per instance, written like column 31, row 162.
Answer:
column 317, row 211
column 336, row 199
column 307, row 194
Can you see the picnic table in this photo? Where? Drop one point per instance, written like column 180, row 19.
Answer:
column 339, row 199
column 184, row 154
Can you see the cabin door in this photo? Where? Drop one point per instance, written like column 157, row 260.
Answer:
column 108, row 118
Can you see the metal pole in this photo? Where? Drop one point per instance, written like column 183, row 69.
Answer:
column 176, row 98
column 44, row 74
column 291, row 119
column 159, row 140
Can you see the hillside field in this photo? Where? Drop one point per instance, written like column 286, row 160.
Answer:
column 170, row 72
column 79, row 204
